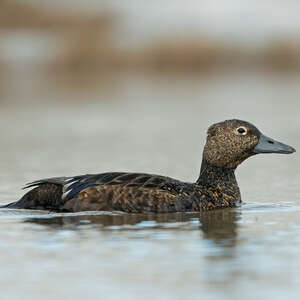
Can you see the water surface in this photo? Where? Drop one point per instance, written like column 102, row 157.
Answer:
column 152, row 124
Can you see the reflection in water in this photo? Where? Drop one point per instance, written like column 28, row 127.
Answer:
column 218, row 226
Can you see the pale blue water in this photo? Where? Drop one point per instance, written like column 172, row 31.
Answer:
column 152, row 124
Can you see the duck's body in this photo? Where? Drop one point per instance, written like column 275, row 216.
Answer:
column 129, row 192
column 216, row 186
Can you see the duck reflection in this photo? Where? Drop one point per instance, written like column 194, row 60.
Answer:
column 218, row 226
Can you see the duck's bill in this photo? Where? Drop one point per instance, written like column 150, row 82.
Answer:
column 268, row 145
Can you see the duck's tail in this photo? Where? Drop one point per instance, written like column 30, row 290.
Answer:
column 44, row 196
column 18, row 204
column 10, row 205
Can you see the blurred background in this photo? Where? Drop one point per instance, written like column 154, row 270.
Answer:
column 101, row 85
column 76, row 76
column 51, row 50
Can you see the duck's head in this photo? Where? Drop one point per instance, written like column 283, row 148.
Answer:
column 230, row 142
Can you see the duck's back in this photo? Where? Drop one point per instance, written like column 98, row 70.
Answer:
column 129, row 192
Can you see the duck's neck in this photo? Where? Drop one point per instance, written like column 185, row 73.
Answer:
column 216, row 187
column 212, row 176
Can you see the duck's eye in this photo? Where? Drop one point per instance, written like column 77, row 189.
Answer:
column 241, row 130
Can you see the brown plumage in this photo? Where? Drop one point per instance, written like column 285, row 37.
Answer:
column 228, row 144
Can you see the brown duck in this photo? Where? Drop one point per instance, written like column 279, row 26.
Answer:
column 228, row 144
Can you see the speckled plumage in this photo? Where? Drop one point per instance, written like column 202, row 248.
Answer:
column 215, row 188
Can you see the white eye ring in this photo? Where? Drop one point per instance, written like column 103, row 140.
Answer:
column 241, row 130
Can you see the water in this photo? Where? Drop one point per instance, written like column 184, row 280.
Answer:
column 156, row 124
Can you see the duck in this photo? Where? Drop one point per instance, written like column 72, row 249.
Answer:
column 228, row 144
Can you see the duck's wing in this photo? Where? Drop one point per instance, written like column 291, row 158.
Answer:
column 133, row 192
column 129, row 192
